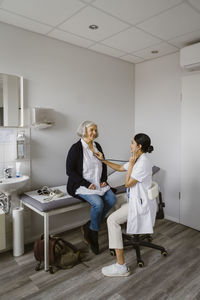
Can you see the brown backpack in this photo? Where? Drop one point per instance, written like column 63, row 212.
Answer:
column 62, row 254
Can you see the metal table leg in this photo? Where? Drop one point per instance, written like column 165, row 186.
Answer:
column 46, row 242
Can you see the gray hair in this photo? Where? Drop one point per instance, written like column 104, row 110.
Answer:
column 81, row 131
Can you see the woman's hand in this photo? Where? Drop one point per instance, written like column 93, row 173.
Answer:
column 102, row 184
column 99, row 155
column 134, row 157
column 92, row 187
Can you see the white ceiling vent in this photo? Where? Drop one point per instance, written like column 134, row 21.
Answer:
column 190, row 57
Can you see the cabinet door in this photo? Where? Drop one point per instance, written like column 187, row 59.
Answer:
column 190, row 152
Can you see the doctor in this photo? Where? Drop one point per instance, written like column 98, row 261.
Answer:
column 138, row 212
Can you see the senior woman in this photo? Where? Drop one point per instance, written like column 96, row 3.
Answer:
column 87, row 180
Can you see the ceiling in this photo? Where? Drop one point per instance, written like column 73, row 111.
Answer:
column 127, row 29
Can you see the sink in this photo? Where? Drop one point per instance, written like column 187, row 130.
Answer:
column 10, row 185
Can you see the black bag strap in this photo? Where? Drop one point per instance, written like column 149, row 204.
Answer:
column 67, row 244
column 70, row 245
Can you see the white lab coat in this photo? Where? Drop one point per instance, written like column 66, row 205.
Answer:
column 141, row 211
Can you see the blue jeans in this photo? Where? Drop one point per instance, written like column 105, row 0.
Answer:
column 100, row 205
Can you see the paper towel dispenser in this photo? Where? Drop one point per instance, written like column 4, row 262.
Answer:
column 42, row 117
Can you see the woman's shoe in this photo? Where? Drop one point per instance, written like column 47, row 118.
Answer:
column 115, row 271
column 85, row 230
column 90, row 237
column 95, row 244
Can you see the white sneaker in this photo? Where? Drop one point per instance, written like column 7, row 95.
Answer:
column 115, row 271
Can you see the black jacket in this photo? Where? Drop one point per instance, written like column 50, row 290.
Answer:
column 74, row 168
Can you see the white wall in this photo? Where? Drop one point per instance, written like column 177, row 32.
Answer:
column 79, row 84
column 157, row 113
column 1, row 97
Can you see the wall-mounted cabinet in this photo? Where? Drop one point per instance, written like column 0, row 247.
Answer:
column 11, row 100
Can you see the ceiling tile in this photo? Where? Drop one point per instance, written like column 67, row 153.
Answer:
column 173, row 22
column 22, row 22
column 79, row 24
column 130, row 40
column 134, row 11
column 195, row 3
column 132, row 58
column 87, row 1
column 70, row 38
column 106, row 50
column 162, row 48
column 50, row 12
column 186, row 40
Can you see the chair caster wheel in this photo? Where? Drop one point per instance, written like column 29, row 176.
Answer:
column 164, row 253
column 140, row 264
column 112, row 252
column 150, row 239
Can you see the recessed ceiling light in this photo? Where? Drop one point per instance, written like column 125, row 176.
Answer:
column 154, row 51
column 93, row 27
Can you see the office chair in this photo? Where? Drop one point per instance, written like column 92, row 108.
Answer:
column 138, row 240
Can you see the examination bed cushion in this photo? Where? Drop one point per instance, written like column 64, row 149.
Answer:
column 32, row 198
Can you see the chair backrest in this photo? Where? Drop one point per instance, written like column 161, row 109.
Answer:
column 153, row 191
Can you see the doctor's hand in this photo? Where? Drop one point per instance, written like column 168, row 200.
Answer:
column 134, row 157
column 99, row 155
column 102, row 184
column 92, row 187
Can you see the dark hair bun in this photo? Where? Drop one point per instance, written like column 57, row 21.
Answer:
column 150, row 149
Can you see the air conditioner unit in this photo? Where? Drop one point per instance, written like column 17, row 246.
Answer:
column 190, row 57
